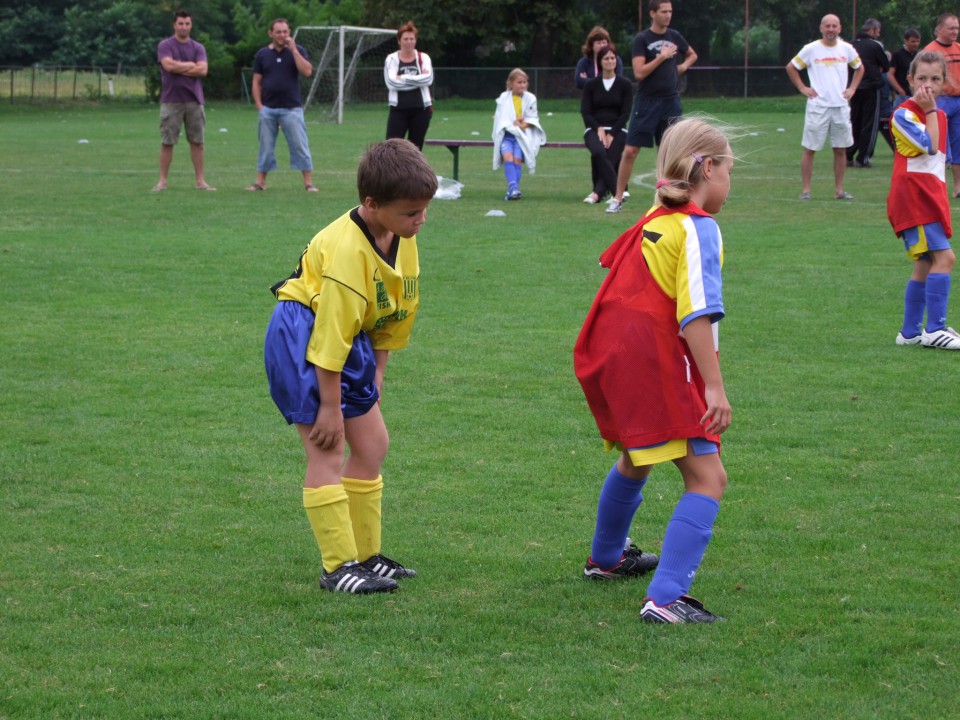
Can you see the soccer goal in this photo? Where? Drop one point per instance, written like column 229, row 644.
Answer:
column 347, row 66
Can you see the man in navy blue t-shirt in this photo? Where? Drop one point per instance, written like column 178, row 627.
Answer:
column 276, row 91
column 660, row 57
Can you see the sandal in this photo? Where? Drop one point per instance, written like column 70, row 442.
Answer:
column 256, row 187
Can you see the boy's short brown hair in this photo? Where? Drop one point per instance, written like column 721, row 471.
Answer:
column 394, row 170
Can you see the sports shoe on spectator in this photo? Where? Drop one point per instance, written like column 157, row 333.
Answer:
column 945, row 339
column 352, row 577
column 683, row 610
column 614, row 206
column 843, row 196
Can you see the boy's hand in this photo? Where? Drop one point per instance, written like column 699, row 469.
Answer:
column 327, row 431
column 718, row 415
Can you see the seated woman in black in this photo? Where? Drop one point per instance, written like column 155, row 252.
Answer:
column 605, row 107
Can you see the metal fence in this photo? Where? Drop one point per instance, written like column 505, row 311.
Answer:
column 58, row 84
column 558, row 83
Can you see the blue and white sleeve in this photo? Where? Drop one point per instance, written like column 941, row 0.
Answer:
column 699, row 284
column 910, row 134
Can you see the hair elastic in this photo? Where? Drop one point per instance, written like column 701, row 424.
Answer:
column 662, row 183
column 698, row 157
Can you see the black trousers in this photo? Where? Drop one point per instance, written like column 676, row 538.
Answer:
column 865, row 119
column 411, row 124
column 604, row 161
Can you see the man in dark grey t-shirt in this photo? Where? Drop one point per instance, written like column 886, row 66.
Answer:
column 276, row 92
column 656, row 66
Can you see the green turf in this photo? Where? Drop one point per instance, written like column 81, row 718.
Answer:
column 156, row 559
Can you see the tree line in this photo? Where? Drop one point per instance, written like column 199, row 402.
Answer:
column 496, row 33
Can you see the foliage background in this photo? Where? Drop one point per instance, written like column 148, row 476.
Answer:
column 538, row 33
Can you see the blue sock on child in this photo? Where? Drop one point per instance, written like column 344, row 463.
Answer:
column 510, row 173
column 619, row 500
column 938, row 293
column 914, row 305
column 684, row 543
column 519, row 173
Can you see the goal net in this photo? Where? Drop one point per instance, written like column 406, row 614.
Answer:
column 347, row 66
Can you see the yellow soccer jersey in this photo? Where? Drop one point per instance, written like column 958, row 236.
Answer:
column 685, row 254
column 350, row 286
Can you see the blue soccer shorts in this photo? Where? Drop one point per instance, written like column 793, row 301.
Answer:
column 293, row 379
column 510, row 144
column 921, row 239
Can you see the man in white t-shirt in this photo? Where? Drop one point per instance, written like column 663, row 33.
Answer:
column 828, row 95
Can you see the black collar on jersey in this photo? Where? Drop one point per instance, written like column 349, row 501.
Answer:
column 391, row 257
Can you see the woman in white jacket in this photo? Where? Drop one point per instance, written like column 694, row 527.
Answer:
column 408, row 74
column 517, row 135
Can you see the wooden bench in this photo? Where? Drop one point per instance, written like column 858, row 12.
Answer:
column 455, row 145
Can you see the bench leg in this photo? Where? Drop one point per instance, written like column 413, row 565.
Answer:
column 455, row 149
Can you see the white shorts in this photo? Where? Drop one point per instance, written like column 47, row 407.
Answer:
column 820, row 122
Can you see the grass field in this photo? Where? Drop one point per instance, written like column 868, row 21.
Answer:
column 156, row 559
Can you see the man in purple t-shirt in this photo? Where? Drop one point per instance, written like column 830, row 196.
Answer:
column 182, row 63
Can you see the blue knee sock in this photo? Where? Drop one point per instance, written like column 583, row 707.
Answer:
column 510, row 174
column 938, row 293
column 619, row 500
column 914, row 305
column 519, row 172
column 684, row 543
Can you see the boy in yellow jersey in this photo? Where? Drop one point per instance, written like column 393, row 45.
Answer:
column 351, row 300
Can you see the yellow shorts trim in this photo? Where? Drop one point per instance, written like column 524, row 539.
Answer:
column 670, row 450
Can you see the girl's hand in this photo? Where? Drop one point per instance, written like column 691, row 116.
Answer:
column 925, row 99
column 718, row 416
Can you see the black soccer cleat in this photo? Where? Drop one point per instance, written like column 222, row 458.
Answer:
column 683, row 610
column 385, row 567
column 633, row 563
column 352, row 577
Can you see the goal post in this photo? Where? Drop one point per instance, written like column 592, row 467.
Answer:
column 347, row 65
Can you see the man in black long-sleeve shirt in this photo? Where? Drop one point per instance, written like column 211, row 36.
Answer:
column 865, row 103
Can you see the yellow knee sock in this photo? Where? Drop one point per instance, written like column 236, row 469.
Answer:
column 365, row 497
column 328, row 509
